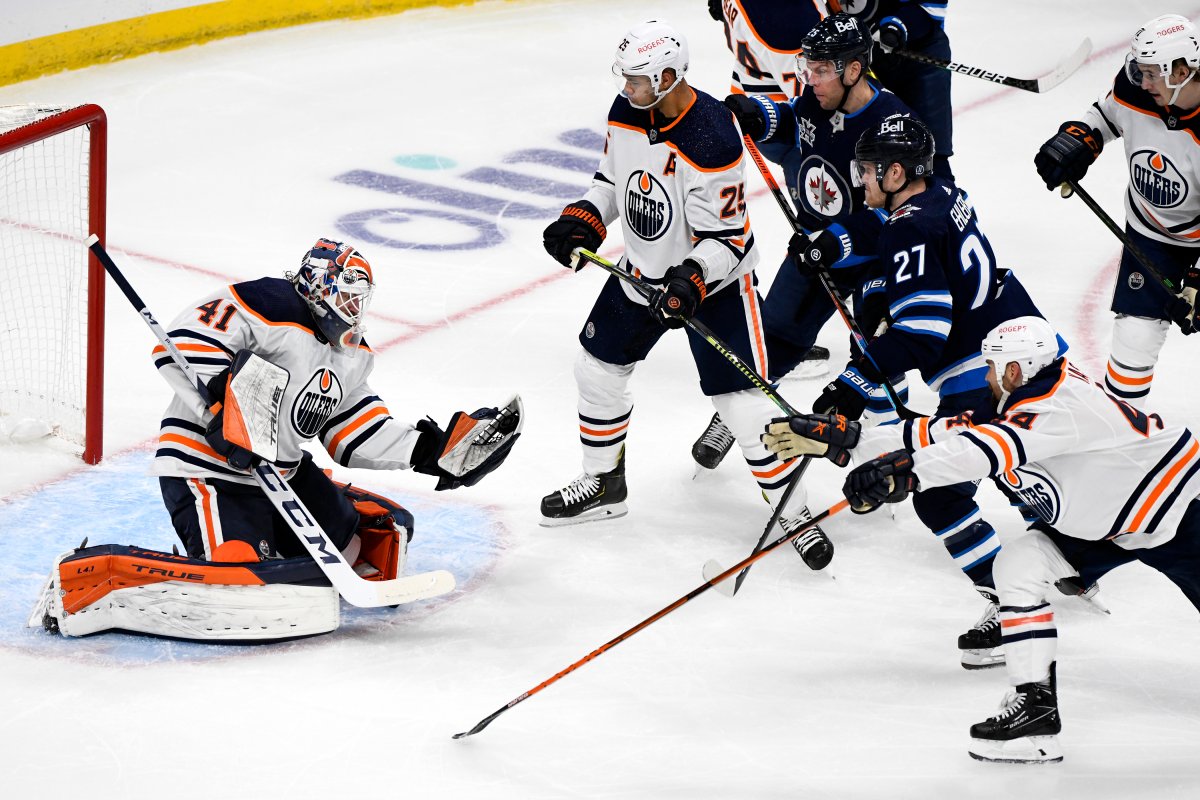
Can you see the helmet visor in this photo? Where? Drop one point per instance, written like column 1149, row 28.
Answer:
column 816, row 72
column 639, row 90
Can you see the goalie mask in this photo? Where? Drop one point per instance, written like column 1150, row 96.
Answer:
column 336, row 282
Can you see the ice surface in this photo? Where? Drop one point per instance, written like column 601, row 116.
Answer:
column 461, row 132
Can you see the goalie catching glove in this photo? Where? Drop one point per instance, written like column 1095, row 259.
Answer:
column 472, row 445
column 829, row 435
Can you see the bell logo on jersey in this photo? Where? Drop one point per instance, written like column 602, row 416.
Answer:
column 647, row 207
column 1156, row 178
column 824, row 189
column 316, row 402
column 1038, row 491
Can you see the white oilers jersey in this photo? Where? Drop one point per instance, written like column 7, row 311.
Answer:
column 1162, row 149
column 764, row 37
column 679, row 189
column 327, row 396
column 1090, row 465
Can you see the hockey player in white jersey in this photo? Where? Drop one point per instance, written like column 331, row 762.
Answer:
column 1110, row 484
column 672, row 172
column 1152, row 106
column 765, row 37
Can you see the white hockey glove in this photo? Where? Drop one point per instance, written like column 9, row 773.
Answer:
column 472, row 445
column 829, row 435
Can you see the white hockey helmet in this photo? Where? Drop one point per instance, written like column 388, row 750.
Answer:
column 647, row 50
column 1160, row 43
column 336, row 282
column 1029, row 341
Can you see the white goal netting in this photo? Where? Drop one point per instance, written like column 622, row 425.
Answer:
column 44, row 220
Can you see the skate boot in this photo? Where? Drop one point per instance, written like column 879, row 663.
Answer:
column 813, row 545
column 588, row 498
column 713, row 444
column 1024, row 732
column 980, row 646
column 815, row 364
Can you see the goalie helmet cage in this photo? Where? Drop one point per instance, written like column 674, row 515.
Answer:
column 53, row 169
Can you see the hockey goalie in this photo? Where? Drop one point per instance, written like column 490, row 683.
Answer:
column 271, row 364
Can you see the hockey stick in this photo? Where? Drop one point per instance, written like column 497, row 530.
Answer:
column 358, row 592
column 1133, row 249
column 1043, row 84
column 699, row 590
column 903, row 411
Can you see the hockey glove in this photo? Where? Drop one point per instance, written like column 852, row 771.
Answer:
column 849, row 392
column 893, row 34
column 714, row 9
column 752, row 115
column 829, row 435
column 474, row 444
column 887, row 479
column 579, row 225
column 1068, row 154
column 1183, row 307
column 820, row 250
column 677, row 302
column 214, row 433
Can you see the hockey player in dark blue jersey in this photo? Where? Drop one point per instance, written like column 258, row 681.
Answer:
column 944, row 291
column 819, row 129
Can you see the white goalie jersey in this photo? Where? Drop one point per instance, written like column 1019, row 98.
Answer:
column 1162, row 151
column 1091, row 466
column 327, row 396
column 679, row 191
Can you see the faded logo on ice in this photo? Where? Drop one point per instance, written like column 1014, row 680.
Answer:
column 647, row 207
column 1156, row 178
column 316, row 402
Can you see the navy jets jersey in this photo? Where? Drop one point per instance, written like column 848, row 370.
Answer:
column 765, row 36
column 944, row 291
column 1162, row 148
column 327, row 397
column 1092, row 466
column 919, row 17
column 817, row 168
column 679, row 189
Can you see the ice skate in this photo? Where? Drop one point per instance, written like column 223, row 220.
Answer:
column 980, row 645
column 588, row 498
column 813, row 545
column 713, row 444
column 815, row 364
column 1025, row 731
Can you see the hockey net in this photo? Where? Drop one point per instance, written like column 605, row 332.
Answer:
column 52, row 197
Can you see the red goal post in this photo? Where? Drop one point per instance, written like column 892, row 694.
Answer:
column 53, row 172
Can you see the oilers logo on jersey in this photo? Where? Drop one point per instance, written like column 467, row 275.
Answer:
column 648, row 209
column 824, row 189
column 316, row 401
column 1156, row 179
column 1037, row 490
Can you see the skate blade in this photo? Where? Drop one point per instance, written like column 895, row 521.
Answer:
column 1026, row 750
column 983, row 659
column 595, row 515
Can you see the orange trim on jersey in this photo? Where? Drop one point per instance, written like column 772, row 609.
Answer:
column 923, row 432
column 192, row 443
column 682, row 114
column 737, row 161
column 1012, row 623
column 1156, row 114
column 378, row 411
column 1163, row 228
column 1121, row 379
column 191, row 348
column 210, row 529
column 594, row 432
column 760, row 347
column 1062, row 377
column 1180, row 463
column 758, row 36
column 86, row 581
column 1004, row 448
column 626, row 127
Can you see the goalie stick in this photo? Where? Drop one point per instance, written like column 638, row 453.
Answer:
column 356, row 591
column 837, row 507
column 1043, row 84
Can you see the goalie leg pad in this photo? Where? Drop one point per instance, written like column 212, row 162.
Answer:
column 114, row 587
column 384, row 530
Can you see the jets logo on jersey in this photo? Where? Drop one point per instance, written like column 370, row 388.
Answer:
column 823, row 188
column 1156, row 178
column 1038, row 491
column 316, row 402
column 647, row 206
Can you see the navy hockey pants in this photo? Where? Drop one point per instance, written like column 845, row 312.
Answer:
column 1138, row 293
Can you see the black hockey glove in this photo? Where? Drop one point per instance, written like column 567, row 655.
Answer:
column 887, row 479
column 714, row 9
column 1183, row 306
column 821, row 250
column 1068, row 154
column 750, row 115
column 678, row 300
column 238, row 457
column 829, row 435
column 893, row 34
column 579, row 225
column 849, row 392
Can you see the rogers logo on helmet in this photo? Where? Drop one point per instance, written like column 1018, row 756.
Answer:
column 1012, row 329
column 651, row 45
column 1175, row 29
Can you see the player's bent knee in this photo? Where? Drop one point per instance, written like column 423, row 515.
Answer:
column 1137, row 341
column 1030, row 564
column 599, row 382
